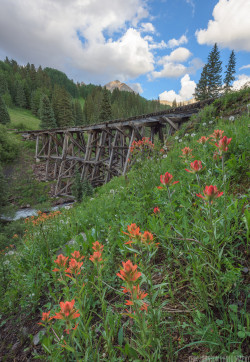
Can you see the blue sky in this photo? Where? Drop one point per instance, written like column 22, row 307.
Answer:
column 158, row 47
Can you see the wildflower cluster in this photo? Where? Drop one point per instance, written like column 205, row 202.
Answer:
column 186, row 154
column 42, row 217
column 6, row 249
column 72, row 267
column 138, row 238
column 130, row 275
column 67, row 314
column 96, row 258
column 142, row 145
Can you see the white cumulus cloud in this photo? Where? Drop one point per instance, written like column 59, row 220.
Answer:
column 76, row 36
column 172, row 64
column 186, row 92
column 173, row 43
column 230, row 27
column 243, row 80
column 136, row 87
column 147, row 28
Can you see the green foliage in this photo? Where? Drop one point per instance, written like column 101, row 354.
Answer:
column 106, row 111
column 4, row 115
column 87, row 188
column 78, row 113
column 8, row 146
column 46, row 114
column 3, row 189
column 77, row 187
column 230, row 72
column 60, row 78
column 209, row 85
column 81, row 189
column 201, row 89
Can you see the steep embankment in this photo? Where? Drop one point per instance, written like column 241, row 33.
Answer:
column 189, row 259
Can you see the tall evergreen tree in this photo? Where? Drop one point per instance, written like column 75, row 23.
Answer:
column 78, row 113
column 201, row 89
column 229, row 77
column 106, row 111
column 65, row 116
column 174, row 104
column 20, row 95
column 4, row 115
column 214, row 70
column 46, row 114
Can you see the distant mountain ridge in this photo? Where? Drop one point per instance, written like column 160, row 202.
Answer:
column 117, row 84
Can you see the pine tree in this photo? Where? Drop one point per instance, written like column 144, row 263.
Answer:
column 214, row 70
column 65, row 116
column 229, row 77
column 20, row 95
column 174, row 104
column 77, row 189
column 201, row 90
column 78, row 113
column 4, row 115
column 46, row 114
column 106, row 111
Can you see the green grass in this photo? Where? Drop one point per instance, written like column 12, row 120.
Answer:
column 195, row 281
column 19, row 116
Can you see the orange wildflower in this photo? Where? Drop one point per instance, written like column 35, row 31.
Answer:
column 97, row 246
column 45, row 318
column 96, row 257
column 76, row 255
column 61, row 262
column 67, row 311
column 129, row 272
column 217, row 135
column 74, row 268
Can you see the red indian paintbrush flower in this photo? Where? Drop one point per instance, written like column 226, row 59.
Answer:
column 167, row 180
column 147, row 237
column 77, row 256
column 186, row 153
column 67, row 311
column 217, row 134
column 74, row 268
column 129, row 272
column 203, row 140
column 133, row 231
column 223, row 143
column 97, row 246
column 96, row 257
column 61, row 262
column 210, row 193
column 136, row 294
column 45, row 318
column 195, row 166
column 156, row 210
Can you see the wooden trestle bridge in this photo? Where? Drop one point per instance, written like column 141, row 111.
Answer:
column 100, row 151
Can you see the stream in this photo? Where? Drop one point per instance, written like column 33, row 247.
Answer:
column 27, row 212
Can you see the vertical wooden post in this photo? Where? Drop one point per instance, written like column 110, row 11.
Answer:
column 48, row 159
column 37, row 146
column 87, row 156
column 128, row 154
column 64, row 154
column 107, row 177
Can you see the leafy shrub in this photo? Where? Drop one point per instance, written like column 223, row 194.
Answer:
column 8, row 146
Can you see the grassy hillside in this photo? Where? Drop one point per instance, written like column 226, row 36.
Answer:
column 23, row 118
column 169, row 280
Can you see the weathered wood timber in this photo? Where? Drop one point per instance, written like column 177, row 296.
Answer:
column 101, row 151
